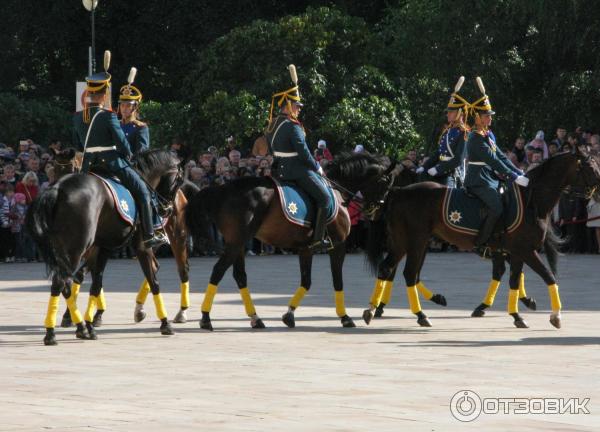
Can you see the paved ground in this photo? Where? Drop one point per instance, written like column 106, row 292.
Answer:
column 389, row 376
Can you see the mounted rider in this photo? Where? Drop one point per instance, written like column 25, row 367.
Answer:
column 293, row 160
column 446, row 165
column 486, row 163
column 136, row 131
column 99, row 136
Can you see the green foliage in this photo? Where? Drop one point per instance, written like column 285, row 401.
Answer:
column 166, row 121
column 41, row 121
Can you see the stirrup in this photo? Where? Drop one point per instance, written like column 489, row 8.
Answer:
column 484, row 252
column 159, row 239
column 320, row 245
column 165, row 211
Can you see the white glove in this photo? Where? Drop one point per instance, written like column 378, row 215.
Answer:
column 432, row 172
column 320, row 171
column 522, row 181
column 420, row 170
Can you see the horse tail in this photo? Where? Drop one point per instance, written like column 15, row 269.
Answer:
column 197, row 217
column 552, row 242
column 39, row 222
column 375, row 247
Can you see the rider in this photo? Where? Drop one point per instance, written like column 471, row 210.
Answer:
column 136, row 131
column 292, row 158
column 98, row 135
column 446, row 165
column 486, row 160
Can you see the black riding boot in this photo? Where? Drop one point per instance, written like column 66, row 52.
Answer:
column 318, row 241
column 485, row 232
column 150, row 240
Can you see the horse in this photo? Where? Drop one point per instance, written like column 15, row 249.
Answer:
column 250, row 207
column 382, row 291
column 65, row 162
column 413, row 214
column 76, row 218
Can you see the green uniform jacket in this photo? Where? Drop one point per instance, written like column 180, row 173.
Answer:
column 106, row 132
column 484, row 159
column 287, row 138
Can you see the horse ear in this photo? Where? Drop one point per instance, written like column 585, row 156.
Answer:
column 391, row 167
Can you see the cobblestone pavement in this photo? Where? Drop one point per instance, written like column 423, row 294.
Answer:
column 389, row 376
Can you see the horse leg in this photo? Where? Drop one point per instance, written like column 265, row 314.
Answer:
column 305, row 256
column 527, row 301
column 516, row 268
column 425, row 292
column 50, row 321
column 176, row 231
column 96, row 298
column 534, row 261
column 336, row 259
column 224, row 262
column 67, row 319
column 498, row 270
column 139, row 313
column 239, row 274
column 150, row 267
column 411, row 270
column 385, row 279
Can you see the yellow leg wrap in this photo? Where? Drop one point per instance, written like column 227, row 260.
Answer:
column 340, row 305
column 74, row 293
column 209, row 296
column 101, row 300
column 185, row 294
column 50, row 321
column 491, row 292
column 522, row 292
column 424, row 291
column 143, row 292
column 377, row 293
column 91, row 308
column 513, row 301
column 72, row 305
column 248, row 303
column 161, row 312
column 386, row 296
column 297, row 297
column 413, row 299
column 554, row 298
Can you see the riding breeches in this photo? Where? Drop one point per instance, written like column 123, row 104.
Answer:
column 315, row 187
column 490, row 197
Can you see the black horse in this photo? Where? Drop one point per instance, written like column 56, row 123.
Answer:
column 75, row 223
column 413, row 214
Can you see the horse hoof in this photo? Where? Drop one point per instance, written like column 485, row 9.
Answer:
column 379, row 311
column 439, row 299
column 555, row 321
column 181, row 317
column 166, row 329
column 258, row 324
column 92, row 335
column 50, row 338
column 423, row 321
column 66, row 322
column 288, row 319
column 206, row 325
column 367, row 316
column 97, row 322
column 479, row 311
column 521, row 324
column 347, row 322
column 81, row 332
column 529, row 302
column 139, row 313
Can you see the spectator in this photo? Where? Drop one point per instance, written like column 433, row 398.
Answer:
column 593, row 211
column 10, row 175
column 322, row 152
column 234, row 158
column 28, row 187
column 553, row 148
column 33, row 165
column 519, row 150
column 24, row 250
column 595, row 145
column 7, row 238
column 561, row 136
column 54, row 148
column 50, row 176
column 197, row 176
column 537, row 143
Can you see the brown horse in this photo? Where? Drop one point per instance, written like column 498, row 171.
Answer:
column 413, row 214
column 251, row 207
column 67, row 162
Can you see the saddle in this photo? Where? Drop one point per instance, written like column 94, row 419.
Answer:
column 297, row 206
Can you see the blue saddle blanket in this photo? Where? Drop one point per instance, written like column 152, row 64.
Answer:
column 464, row 213
column 122, row 198
column 297, row 205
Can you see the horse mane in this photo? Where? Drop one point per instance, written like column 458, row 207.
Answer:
column 349, row 166
column 536, row 173
column 150, row 160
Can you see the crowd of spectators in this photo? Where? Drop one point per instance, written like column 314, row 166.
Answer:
column 27, row 170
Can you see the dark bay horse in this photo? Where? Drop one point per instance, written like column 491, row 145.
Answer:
column 413, row 214
column 176, row 229
column 76, row 218
column 250, row 207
